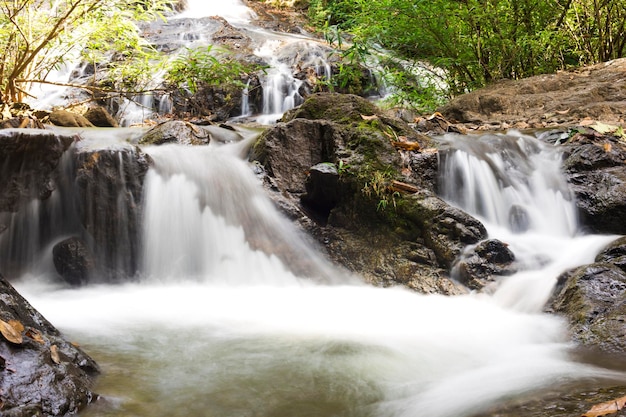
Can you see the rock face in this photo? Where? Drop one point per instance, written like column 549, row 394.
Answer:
column 58, row 186
column 109, row 186
column 365, row 182
column 564, row 98
column 41, row 373
column 594, row 165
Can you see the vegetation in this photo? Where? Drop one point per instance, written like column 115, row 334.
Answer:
column 38, row 36
column 202, row 67
column 476, row 42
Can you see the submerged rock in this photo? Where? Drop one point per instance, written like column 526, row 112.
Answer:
column 483, row 263
column 41, row 373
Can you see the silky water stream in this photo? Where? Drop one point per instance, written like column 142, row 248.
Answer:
column 219, row 325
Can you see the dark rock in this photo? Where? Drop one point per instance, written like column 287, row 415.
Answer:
column 100, row 117
column 322, row 189
column 109, row 194
column 483, row 263
column 615, row 254
column 32, row 381
column 595, row 170
column 176, row 131
column 593, row 299
column 73, row 261
column 334, row 159
column 28, row 159
column 68, row 119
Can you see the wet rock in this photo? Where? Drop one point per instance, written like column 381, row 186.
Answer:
column 519, row 221
column 595, row 170
column 28, row 159
column 483, row 263
column 334, row 159
column 68, row 119
column 100, row 117
column 33, row 379
column 73, row 261
column 614, row 254
column 593, row 299
column 176, row 131
column 109, row 193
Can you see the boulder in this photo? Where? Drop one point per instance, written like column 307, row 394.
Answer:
column 65, row 118
column 41, row 373
column 109, row 185
column 176, row 131
column 593, row 299
column 73, row 261
column 595, row 170
column 483, row 263
column 366, row 183
column 100, row 117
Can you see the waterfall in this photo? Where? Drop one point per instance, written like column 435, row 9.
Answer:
column 237, row 314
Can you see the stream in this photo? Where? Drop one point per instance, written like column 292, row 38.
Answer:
column 218, row 325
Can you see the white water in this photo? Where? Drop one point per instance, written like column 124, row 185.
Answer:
column 221, row 325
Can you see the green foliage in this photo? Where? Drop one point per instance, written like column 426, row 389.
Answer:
column 202, row 67
column 37, row 36
column 476, row 42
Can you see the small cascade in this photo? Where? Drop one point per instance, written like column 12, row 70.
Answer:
column 245, row 100
column 509, row 180
column 205, row 217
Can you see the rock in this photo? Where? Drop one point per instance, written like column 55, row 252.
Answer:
column 33, row 381
column 564, row 98
column 322, row 189
column 334, row 159
column 68, row 119
column 480, row 265
column 615, row 254
column 28, row 159
column 595, row 170
column 176, row 131
column 593, row 299
column 100, row 117
column 73, row 261
column 109, row 186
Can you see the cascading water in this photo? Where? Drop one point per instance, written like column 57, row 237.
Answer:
column 236, row 315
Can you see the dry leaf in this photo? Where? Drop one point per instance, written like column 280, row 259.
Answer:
column 561, row 111
column 607, row 147
column 35, row 335
column 372, row 117
column 603, row 128
column 17, row 325
column 54, row 354
column 10, row 333
column 407, row 146
column 605, row 408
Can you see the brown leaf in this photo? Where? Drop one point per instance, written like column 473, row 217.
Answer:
column 607, row 147
column 605, row 408
column 17, row 325
column 10, row 333
column 407, row 146
column 372, row 117
column 54, row 354
column 35, row 335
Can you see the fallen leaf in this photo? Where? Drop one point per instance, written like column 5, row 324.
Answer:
column 10, row 333
column 372, row 117
column 35, row 335
column 561, row 111
column 54, row 354
column 605, row 408
column 17, row 325
column 607, row 147
column 407, row 146
column 603, row 128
